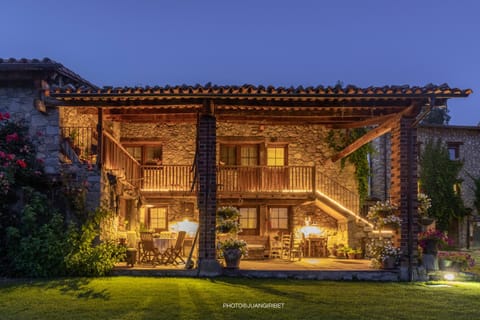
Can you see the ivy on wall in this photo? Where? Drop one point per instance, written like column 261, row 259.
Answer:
column 338, row 140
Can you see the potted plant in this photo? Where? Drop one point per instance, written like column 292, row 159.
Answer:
column 342, row 251
column 424, row 203
column 431, row 240
column 231, row 248
column 384, row 254
column 383, row 215
column 455, row 261
column 358, row 253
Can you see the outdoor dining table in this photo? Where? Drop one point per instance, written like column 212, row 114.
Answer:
column 162, row 244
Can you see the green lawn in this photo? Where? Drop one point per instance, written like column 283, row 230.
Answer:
column 184, row 298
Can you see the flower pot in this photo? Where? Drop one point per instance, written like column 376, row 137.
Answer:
column 425, row 221
column 131, row 256
column 431, row 246
column 388, row 263
column 444, row 264
column 232, row 257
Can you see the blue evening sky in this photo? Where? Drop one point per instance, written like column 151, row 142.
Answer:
column 280, row 43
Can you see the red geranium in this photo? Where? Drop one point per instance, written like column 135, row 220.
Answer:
column 11, row 137
column 22, row 163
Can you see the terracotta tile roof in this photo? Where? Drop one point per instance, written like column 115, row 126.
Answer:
column 250, row 90
column 45, row 64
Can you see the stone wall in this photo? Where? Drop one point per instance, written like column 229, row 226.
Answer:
column 380, row 163
column 177, row 140
column 43, row 128
column 306, row 146
column 77, row 117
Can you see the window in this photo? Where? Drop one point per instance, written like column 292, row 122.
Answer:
column 248, row 218
column 454, row 150
column 278, row 218
column 135, row 152
column 158, row 218
column 149, row 155
column 249, row 155
column 228, row 155
column 276, row 156
column 153, row 155
column 244, row 155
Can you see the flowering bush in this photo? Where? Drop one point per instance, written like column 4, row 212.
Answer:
column 17, row 155
column 440, row 237
column 424, row 203
column 380, row 251
column 227, row 220
column 382, row 215
column 233, row 244
column 463, row 259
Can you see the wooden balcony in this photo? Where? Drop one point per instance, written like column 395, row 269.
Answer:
column 242, row 180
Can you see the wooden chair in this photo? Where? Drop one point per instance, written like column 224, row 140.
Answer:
column 148, row 252
column 174, row 254
column 275, row 248
column 286, row 240
column 297, row 249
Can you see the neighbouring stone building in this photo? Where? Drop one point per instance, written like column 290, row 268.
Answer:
column 165, row 158
column 463, row 144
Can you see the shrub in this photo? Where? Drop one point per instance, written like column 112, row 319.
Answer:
column 89, row 256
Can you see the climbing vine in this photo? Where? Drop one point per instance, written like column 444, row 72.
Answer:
column 338, row 140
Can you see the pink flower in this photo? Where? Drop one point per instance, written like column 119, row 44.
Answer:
column 12, row 137
column 2, row 154
column 10, row 156
column 6, row 115
column 21, row 163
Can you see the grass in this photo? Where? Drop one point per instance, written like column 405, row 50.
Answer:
column 184, row 298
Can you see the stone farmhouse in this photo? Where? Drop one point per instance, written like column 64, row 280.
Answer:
column 166, row 157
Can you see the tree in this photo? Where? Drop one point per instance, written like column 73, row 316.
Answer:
column 438, row 178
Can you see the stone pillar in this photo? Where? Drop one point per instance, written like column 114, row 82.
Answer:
column 403, row 192
column 207, row 195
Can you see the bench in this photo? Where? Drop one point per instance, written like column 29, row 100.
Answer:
column 257, row 246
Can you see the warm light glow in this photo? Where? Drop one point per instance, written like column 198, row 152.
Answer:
column 449, row 276
column 311, row 231
column 185, row 225
column 149, row 206
column 346, row 209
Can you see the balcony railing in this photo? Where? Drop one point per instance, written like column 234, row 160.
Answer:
column 167, row 178
column 83, row 140
column 265, row 179
column 119, row 161
column 336, row 191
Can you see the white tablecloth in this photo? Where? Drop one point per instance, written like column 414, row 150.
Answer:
column 163, row 244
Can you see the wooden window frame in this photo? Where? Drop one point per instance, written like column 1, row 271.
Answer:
column 283, row 146
column 455, row 146
column 251, row 231
column 150, row 226
column 144, row 147
column 238, row 150
column 289, row 219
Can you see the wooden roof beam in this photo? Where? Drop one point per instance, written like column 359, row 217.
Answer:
column 372, row 134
